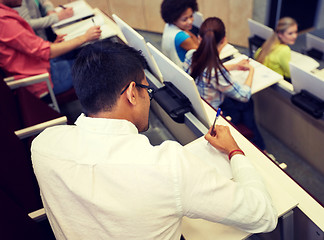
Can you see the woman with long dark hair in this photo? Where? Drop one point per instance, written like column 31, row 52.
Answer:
column 214, row 81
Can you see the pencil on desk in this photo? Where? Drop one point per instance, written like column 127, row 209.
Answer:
column 93, row 21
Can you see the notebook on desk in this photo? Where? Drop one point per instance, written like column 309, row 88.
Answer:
column 79, row 28
column 81, row 10
column 263, row 77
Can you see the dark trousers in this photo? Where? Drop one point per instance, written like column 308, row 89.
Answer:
column 243, row 113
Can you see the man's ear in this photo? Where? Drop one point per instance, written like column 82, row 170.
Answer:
column 131, row 93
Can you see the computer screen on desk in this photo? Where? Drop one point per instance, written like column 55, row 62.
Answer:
column 302, row 79
column 184, row 82
column 259, row 29
column 137, row 41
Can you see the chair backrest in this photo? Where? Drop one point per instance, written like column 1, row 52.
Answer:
column 183, row 81
column 258, row 34
column 259, row 29
column 15, row 223
column 19, row 191
column 9, row 106
column 22, row 109
column 315, row 42
column 303, row 79
column 198, row 19
column 137, row 41
column 17, row 178
column 314, row 46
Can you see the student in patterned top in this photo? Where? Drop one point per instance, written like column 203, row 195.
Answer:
column 214, row 80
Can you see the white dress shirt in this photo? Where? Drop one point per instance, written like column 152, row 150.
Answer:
column 101, row 179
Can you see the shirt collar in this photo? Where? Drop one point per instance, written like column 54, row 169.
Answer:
column 105, row 125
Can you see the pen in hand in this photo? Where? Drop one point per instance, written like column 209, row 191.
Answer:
column 62, row 6
column 213, row 132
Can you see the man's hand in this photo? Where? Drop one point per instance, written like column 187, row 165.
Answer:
column 223, row 140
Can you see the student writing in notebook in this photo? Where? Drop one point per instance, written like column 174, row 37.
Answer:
column 40, row 14
column 275, row 53
column 23, row 53
column 214, row 81
column 101, row 179
column 177, row 38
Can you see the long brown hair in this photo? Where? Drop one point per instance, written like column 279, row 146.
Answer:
column 269, row 45
column 212, row 32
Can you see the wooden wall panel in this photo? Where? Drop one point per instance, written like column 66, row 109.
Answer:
column 153, row 18
column 131, row 11
column 239, row 12
column 103, row 5
column 145, row 14
column 58, row 2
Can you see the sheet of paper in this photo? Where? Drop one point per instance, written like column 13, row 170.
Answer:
column 79, row 28
column 80, row 9
column 263, row 76
column 205, row 152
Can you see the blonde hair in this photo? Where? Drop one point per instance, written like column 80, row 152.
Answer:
column 269, row 45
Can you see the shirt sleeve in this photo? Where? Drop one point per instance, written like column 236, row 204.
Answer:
column 180, row 37
column 15, row 36
column 284, row 59
column 38, row 22
column 242, row 202
column 187, row 61
column 240, row 92
column 47, row 5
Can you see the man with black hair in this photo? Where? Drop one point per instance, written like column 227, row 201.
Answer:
column 101, row 179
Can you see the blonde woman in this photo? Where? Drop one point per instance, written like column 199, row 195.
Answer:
column 275, row 52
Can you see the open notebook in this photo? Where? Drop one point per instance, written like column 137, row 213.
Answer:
column 263, row 77
column 81, row 10
column 79, row 28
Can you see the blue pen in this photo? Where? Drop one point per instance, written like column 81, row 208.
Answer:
column 213, row 133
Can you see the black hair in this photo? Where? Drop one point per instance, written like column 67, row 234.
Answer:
column 171, row 10
column 102, row 70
